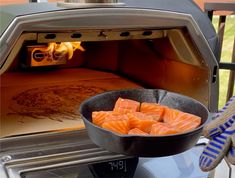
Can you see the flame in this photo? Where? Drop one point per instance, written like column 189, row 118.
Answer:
column 64, row 48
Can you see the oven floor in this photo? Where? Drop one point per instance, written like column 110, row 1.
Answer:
column 15, row 86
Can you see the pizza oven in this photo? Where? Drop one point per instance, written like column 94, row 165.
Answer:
column 55, row 55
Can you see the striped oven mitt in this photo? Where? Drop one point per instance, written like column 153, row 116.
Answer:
column 221, row 132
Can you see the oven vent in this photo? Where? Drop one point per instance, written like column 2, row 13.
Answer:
column 101, row 35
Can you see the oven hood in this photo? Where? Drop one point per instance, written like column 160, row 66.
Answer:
column 18, row 18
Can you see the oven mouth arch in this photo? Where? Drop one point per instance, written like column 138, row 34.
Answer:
column 108, row 18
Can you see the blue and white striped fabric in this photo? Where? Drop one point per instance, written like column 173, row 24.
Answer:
column 216, row 149
column 222, row 127
column 218, row 130
column 222, row 134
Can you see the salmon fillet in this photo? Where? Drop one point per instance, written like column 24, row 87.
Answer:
column 153, row 109
column 118, row 126
column 185, row 122
column 99, row 116
column 153, row 119
column 141, row 121
column 170, row 114
column 161, row 129
column 136, row 131
column 124, row 106
column 115, row 117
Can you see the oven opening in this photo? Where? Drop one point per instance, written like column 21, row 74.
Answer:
column 50, row 74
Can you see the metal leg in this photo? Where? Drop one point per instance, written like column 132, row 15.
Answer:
column 229, row 168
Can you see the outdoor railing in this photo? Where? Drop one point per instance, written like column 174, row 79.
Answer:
column 210, row 8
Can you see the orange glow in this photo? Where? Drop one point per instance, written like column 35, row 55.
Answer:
column 60, row 50
column 65, row 48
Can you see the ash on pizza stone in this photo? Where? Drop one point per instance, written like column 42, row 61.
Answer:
column 56, row 102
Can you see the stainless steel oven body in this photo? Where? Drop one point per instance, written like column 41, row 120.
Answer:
column 153, row 26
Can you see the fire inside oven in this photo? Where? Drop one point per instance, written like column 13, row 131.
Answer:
column 52, row 53
column 50, row 74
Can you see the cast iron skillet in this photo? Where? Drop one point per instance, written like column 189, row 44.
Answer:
column 143, row 146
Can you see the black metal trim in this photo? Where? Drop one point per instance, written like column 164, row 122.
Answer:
column 227, row 66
